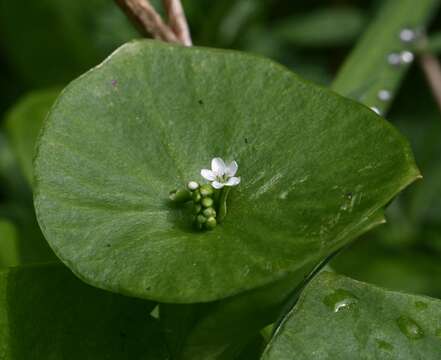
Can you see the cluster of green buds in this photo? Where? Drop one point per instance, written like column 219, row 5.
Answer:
column 209, row 200
column 204, row 202
column 203, row 205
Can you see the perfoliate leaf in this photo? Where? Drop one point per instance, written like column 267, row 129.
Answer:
column 315, row 168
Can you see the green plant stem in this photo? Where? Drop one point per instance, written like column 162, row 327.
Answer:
column 367, row 70
column 222, row 212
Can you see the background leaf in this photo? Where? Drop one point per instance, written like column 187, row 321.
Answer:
column 326, row 27
column 223, row 329
column 9, row 255
column 47, row 313
column 24, row 122
column 16, row 207
column 63, row 38
column 339, row 318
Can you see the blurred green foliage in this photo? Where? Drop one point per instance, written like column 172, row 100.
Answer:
column 23, row 124
column 53, row 315
column 53, row 41
column 8, row 244
column 326, row 27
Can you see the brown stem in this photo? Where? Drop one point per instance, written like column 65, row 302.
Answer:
column 432, row 69
column 147, row 20
column 178, row 21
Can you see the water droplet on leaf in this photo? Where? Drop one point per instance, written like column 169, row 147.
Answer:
column 340, row 300
column 283, row 195
column 375, row 110
column 349, row 201
column 384, row 95
column 421, row 305
column 394, row 59
column 410, row 328
column 384, row 345
column 407, row 35
column 407, row 57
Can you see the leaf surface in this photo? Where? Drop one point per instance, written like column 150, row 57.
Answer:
column 340, row 318
column 315, row 167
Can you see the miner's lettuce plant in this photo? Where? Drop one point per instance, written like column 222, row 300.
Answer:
column 101, row 186
column 187, row 262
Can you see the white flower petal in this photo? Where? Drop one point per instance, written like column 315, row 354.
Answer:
column 208, row 174
column 218, row 166
column 217, row 185
column 231, row 169
column 233, row 181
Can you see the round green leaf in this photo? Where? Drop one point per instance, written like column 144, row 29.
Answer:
column 340, row 318
column 315, row 167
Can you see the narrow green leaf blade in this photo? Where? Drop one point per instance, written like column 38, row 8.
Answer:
column 376, row 64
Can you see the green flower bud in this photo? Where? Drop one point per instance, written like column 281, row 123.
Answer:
column 197, row 196
column 180, row 195
column 209, row 212
column 192, row 186
column 197, row 208
column 207, row 202
column 206, row 190
column 201, row 219
column 211, row 223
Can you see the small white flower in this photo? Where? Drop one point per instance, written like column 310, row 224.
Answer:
column 221, row 174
